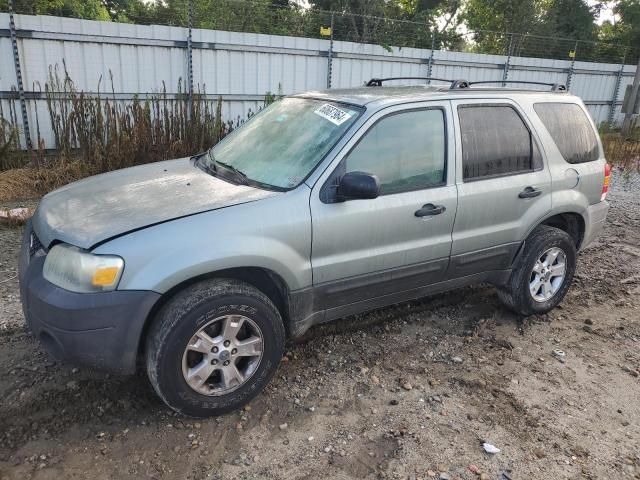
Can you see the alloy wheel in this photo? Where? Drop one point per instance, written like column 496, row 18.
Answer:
column 222, row 355
column 548, row 274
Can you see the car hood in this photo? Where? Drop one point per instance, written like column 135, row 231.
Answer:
column 90, row 211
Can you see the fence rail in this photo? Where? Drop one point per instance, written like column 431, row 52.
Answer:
column 126, row 61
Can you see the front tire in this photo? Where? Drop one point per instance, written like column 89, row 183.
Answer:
column 544, row 273
column 214, row 347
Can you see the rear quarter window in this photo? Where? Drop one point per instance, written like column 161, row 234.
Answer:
column 571, row 130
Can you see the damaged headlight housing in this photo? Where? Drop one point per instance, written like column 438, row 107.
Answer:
column 79, row 271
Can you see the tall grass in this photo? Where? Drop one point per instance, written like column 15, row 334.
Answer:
column 9, row 138
column 621, row 153
column 99, row 133
column 104, row 133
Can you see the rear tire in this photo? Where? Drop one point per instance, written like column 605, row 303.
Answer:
column 539, row 283
column 208, row 325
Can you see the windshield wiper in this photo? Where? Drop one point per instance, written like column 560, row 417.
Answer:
column 208, row 167
column 213, row 167
column 198, row 156
column 239, row 176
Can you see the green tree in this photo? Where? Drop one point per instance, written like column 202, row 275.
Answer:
column 87, row 9
column 623, row 32
column 573, row 19
column 131, row 11
column 490, row 22
column 533, row 28
column 440, row 16
column 402, row 23
column 570, row 26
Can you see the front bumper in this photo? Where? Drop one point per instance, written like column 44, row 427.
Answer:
column 98, row 330
column 594, row 223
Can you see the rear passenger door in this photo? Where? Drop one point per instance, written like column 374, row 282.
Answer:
column 503, row 185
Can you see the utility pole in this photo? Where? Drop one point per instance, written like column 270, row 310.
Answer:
column 626, row 125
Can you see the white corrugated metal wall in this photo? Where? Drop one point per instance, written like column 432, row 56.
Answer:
column 242, row 67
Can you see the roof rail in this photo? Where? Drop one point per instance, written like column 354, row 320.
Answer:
column 463, row 84
column 555, row 87
column 459, row 83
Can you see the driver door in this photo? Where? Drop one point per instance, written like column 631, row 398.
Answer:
column 400, row 241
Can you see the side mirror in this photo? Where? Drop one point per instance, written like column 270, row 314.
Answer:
column 358, row 186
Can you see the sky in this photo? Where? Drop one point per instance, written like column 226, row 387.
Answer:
column 605, row 13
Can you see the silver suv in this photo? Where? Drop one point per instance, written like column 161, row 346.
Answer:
column 325, row 204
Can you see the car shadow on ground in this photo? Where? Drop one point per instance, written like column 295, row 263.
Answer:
column 473, row 304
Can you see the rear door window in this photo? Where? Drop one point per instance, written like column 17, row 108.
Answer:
column 570, row 128
column 495, row 142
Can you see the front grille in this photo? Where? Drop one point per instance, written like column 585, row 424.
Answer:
column 34, row 244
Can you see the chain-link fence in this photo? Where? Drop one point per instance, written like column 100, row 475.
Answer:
column 290, row 19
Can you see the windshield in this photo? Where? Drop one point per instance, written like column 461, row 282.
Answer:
column 280, row 146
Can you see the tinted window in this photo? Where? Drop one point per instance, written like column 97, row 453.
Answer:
column 495, row 142
column 405, row 150
column 570, row 129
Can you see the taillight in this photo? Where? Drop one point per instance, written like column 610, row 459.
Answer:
column 605, row 184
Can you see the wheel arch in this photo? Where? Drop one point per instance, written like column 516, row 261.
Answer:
column 571, row 222
column 265, row 280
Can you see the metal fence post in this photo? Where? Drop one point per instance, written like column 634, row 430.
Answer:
column 430, row 65
column 190, row 62
column 16, row 63
column 616, row 90
column 330, row 52
column 635, row 91
column 505, row 72
column 573, row 62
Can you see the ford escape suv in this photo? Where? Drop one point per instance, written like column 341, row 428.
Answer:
column 325, row 204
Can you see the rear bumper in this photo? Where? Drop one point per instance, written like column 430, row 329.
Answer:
column 98, row 330
column 596, row 216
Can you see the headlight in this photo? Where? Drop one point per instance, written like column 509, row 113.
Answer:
column 74, row 269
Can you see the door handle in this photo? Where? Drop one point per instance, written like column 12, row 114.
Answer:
column 529, row 192
column 430, row 209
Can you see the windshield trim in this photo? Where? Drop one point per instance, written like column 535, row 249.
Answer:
column 265, row 186
column 304, row 96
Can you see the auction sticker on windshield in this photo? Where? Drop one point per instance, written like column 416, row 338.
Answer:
column 333, row 114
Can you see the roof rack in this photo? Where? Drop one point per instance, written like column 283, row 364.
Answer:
column 459, row 83
column 463, row 84
column 555, row 87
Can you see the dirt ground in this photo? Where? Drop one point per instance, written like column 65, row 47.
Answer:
column 411, row 391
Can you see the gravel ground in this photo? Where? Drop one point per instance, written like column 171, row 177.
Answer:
column 410, row 391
